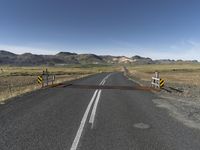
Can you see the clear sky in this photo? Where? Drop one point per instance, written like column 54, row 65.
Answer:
column 155, row 28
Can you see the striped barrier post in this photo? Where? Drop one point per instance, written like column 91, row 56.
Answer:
column 156, row 81
column 45, row 79
column 162, row 83
column 40, row 80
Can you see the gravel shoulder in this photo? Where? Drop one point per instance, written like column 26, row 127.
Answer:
column 185, row 106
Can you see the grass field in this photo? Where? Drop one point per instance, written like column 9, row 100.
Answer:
column 172, row 73
column 18, row 80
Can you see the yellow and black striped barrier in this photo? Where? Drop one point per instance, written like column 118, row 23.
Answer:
column 40, row 79
column 162, row 83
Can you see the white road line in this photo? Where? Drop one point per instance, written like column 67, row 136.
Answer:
column 103, row 82
column 83, row 121
column 94, row 109
column 92, row 116
column 104, row 79
column 80, row 130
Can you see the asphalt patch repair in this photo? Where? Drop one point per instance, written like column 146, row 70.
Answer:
column 110, row 87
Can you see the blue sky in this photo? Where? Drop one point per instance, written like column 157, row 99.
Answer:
column 154, row 28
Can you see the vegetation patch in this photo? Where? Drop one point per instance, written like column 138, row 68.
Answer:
column 18, row 80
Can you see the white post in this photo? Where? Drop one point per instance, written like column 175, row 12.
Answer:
column 158, row 81
column 157, row 74
column 53, row 79
column 47, row 77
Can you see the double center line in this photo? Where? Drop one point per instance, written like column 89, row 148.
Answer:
column 95, row 97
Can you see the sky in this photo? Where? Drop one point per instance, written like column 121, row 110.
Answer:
column 159, row 29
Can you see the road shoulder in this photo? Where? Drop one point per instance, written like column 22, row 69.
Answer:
column 181, row 106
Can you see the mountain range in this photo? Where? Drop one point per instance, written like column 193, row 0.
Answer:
column 64, row 58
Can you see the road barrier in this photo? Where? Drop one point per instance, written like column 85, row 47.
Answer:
column 40, row 79
column 46, row 79
column 159, row 83
column 156, row 81
column 162, row 83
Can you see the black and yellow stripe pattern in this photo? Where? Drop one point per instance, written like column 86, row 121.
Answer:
column 162, row 83
column 39, row 79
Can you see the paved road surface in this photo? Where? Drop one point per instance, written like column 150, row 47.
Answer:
column 66, row 118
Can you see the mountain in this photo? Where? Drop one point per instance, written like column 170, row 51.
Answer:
column 89, row 59
column 6, row 54
column 64, row 58
column 142, row 60
column 63, row 54
column 7, row 57
column 117, row 59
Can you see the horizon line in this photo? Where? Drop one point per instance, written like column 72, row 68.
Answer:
column 57, row 52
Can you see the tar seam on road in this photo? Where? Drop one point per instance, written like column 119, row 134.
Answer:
column 83, row 121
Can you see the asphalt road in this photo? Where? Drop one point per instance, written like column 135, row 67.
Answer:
column 69, row 118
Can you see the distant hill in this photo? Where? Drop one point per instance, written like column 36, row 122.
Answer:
column 142, row 60
column 63, row 54
column 7, row 57
column 63, row 58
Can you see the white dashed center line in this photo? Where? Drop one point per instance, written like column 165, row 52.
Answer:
column 96, row 95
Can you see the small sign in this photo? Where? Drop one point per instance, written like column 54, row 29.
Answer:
column 162, row 83
column 39, row 79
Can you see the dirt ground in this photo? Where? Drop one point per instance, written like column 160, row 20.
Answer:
column 183, row 106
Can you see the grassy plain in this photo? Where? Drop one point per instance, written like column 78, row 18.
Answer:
column 18, row 80
column 181, row 73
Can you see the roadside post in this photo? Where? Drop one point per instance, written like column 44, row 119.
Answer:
column 45, row 78
column 162, row 83
column 53, row 79
column 157, row 74
column 156, row 81
column 43, row 73
column 40, row 80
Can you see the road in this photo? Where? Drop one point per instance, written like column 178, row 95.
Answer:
column 68, row 118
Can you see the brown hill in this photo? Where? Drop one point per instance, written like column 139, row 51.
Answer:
column 64, row 58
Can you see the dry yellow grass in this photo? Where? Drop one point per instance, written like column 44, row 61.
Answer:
column 14, row 86
column 18, row 80
column 172, row 73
